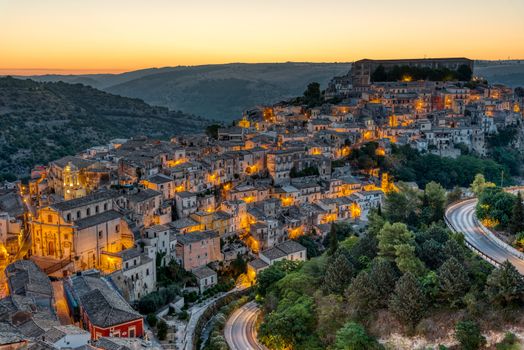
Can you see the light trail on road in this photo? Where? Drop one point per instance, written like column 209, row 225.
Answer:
column 240, row 330
column 462, row 217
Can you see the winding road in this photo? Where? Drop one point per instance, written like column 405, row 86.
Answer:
column 240, row 329
column 461, row 217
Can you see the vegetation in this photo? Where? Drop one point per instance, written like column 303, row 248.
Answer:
column 45, row 121
column 406, row 268
column 407, row 73
column 407, row 164
column 161, row 330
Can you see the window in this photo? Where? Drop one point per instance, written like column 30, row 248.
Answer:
column 117, row 228
column 50, row 218
column 88, row 211
column 100, row 234
column 78, row 214
column 105, row 206
column 127, row 264
column 132, row 331
column 147, row 272
column 97, row 209
column 68, row 217
column 134, row 263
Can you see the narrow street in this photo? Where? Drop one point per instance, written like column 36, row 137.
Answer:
column 62, row 310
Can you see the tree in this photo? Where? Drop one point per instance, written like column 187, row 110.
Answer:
column 399, row 206
column 469, row 336
column 290, row 324
column 212, row 131
column 365, row 250
column 519, row 91
column 352, row 336
column 338, row 274
column 495, row 207
column 453, row 281
column 312, row 95
column 151, row 319
column 392, row 235
column 407, row 261
column 267, row 278
column 431, row 253
column 371, row 289
column 479, row 184
column 435, row 196
column 516, row 223
column 453, row 249
column 331, row 313
column 332, row 240
column 408, row 302
column 238, row 266
column 505, row 285
column 454, row 195
column 161, row 331
column 310, row 244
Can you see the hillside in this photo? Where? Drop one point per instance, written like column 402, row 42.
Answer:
column 508, row 73
column 212, row 91
column 44, row 121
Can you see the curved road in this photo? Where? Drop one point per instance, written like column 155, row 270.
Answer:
column 462, row 218
column 240, row 330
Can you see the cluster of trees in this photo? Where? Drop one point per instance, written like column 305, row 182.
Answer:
column 155, row 300
column 406, row 264
column 398, row 73
column 501, row 149
column 498, row 209
column 407, row 164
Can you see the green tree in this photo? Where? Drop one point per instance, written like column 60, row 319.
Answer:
column 407, row 261
column 401, row 205
column 161, row 330
column 454, row 195
column 312, row 95
column 371, row 289
column 354, row 337
column 431, row 253
column 310, row 244
column 505, row 285
column 267, row 278
column 151, row 319
column 392, row 235
column 212, row 131
column 338, row 274
column 479, row 184
column 435, row 195
column 331, row 315
column 469, row 336
column 496, row 206
column 453, row 281
column 516, row 223
column 238, row 266
column 408, row 302
column 290, row 324
column 332, row 239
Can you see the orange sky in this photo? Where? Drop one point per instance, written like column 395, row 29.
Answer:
column 89, row 36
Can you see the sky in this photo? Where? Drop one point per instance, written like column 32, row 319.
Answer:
column 95, row 36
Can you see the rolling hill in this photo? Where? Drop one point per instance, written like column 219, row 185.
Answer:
column 219, row 92
column 45, row 121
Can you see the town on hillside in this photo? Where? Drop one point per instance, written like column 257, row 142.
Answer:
column 93, row 243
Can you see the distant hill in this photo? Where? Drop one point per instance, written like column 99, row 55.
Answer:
column 45, row 121
column 507, row 73
column 219, row 92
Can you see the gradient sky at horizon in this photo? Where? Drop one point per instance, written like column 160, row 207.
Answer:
column 90, row 36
